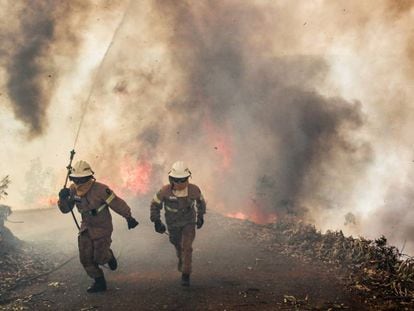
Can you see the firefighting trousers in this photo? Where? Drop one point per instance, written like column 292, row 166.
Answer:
column 93, row 253
column 182, row 238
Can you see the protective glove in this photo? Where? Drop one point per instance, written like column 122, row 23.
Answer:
column 159, row 226
column 200, row 222
column 64, row 193
column 132, row 223
column 66, row 203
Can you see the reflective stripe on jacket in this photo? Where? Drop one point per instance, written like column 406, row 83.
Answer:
column 179, row 211
column 93, row 206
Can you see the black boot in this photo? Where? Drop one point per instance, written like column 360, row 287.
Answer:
column 185, row 279
column 112, row 263
column 98, row 286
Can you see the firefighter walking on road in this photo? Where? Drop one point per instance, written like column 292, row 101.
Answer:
column 93, row 200
column 184, row 208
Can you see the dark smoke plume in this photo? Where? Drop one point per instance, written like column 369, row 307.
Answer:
column 291, row 136
column 43, row 45
column 28, row 78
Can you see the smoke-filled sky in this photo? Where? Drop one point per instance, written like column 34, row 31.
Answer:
column 279, row 107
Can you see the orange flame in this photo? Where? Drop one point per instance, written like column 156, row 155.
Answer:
column 238, row 215
column 255, row 212
column 258, row 217
column 136, row 175
column 47, row 201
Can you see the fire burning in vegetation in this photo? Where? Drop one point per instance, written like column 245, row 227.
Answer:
column 256, row 217
column 136, row 176
column 133, row 179
column 238, row 215
column 50, row 201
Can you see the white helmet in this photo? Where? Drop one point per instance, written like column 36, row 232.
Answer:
column 81, row 169
column 179, row 170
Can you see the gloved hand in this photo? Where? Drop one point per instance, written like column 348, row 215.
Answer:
column 64, row 193
column 132, row 223
column 66, row 202
column 159, row 226
column 200, row 222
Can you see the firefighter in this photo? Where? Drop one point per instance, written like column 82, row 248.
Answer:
column 184, row 208
column 93, row 200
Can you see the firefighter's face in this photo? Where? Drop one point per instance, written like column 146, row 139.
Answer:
column 179, row 183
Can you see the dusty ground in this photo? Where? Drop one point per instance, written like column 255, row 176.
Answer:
column 229, row 273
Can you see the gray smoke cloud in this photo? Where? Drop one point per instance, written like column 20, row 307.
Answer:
column 301, row 133
column 278, row 108
column 397, row 214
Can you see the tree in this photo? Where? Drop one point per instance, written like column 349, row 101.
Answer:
column 4, row 184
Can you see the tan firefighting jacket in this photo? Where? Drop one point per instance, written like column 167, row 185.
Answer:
column 94, row 209
column 179, row 211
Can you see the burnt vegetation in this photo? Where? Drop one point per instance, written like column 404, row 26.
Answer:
column 20, row 262
column 378, row 272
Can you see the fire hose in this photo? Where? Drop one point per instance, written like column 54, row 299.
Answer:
column 85, row 106
column 69, row 168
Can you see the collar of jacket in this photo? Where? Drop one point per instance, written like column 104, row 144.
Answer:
column 180, row 193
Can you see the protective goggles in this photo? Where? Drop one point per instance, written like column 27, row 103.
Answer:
column 79, row 180
column 178, row 180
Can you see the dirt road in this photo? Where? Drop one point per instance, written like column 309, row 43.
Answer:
column 229, row 273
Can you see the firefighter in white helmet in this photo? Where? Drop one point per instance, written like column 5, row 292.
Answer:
column 184, row 208
column 93, row 200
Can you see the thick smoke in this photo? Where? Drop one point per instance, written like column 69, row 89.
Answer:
column 27, row 85
column 397, row 213
column 44, row 43
column 286, row 137
column 278, row 108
